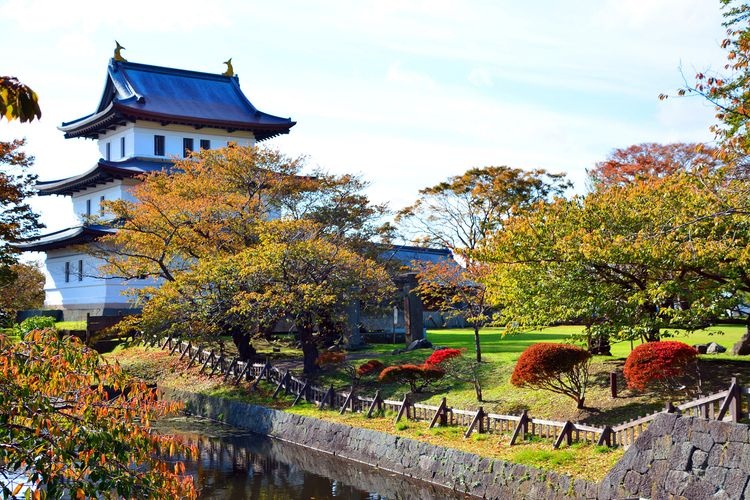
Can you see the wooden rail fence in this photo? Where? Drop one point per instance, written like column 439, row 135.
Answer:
column 732, row 404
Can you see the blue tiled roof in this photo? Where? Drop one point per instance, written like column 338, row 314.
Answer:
column 64, row 238
column 407, row 255
column 101, row 173
column 167, row 95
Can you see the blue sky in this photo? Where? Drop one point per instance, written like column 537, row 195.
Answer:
column 406, row 93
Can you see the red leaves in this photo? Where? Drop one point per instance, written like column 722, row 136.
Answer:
column 442, row 355
column 330, row 358
column 544, row 360
column 417, row 376
column 654, row 362
column 370, row 367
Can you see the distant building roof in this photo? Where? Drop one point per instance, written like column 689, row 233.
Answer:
column 174, row 96
column 63, row 238
column 406, row 255
column 101, row 173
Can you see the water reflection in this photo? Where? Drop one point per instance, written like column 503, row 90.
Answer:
column 237, row 465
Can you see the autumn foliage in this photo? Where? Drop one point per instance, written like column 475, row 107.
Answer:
column 560, row 368
column 658, row 363
column 417, row 376
column 441, row 355
column 326, row 358
column 74, row 423
column 369, row 367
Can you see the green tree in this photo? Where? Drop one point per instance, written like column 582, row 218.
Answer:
column 626, row 261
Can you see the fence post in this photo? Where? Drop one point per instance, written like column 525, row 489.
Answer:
column 606, row 437
column 174, row 347
column 565, row 433
column 301, row 392
column 242, row 373
column 265, row 371
column 229, row 370
column 347, row 401
column 329, row 396
column 193, row 358
column 477, row 420
column 441, row 413
column 283, row 383
column 731, row 402
column 613, row 384
column 522, row 428
column 205, row 363
column 405, row 404
column 377, row 400
column 187, row 349
column 670, row 407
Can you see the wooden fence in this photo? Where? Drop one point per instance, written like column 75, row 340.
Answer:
column 725, row 405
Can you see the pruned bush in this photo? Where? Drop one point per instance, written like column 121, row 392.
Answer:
column 441, row 355
column 660, row 363
column 417, row 376
column 560, row 368
column 459, row 367
column 327, row 358
column 370, row 367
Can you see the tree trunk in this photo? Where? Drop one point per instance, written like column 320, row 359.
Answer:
column 309, row 349
column 580, row 403
column 478, row 390
column 742, row 346
column 244, row 348
column 599, row 344
column 476, row 344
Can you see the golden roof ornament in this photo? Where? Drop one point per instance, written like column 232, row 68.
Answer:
column 230, row 69
column 118, row 56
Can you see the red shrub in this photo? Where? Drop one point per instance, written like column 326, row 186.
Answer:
column 441, row 355
column 330, row 358
column 369, row 367
column 417, row 376
column 657, row 362
column 560, row 368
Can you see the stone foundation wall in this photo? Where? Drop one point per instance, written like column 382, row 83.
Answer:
column 684, row 457
column 458, row 470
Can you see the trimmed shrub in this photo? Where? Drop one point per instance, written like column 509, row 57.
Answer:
column 34, row 323
column 330, row 358
column 370, row 367
column 560, row 368
column 658, row 363
column 441, row 355
column 417, row 376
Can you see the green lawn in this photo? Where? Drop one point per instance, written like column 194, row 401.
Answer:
column 501, row 351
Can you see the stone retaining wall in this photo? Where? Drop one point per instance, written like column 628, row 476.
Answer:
column 676, row 457
column 684, row 457
column 464, row 472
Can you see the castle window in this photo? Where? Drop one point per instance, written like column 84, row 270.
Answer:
column 101, row 202
column 122, row 147
column 187, row 146
column 88, row 208
column 205, row 144
column 158, row 145
column 67, row 272
column 80, row 270
column 109, row 151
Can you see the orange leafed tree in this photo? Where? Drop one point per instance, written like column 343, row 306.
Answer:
column 73, row 425
column 651, row 160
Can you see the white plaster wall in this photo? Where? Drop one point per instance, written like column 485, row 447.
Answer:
column 139, row 139
column 115, row 190
column 91, row 291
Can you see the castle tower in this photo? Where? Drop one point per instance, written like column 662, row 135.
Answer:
column 147, row 115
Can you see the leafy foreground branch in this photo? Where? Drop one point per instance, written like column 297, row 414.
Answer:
column 73, row 425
